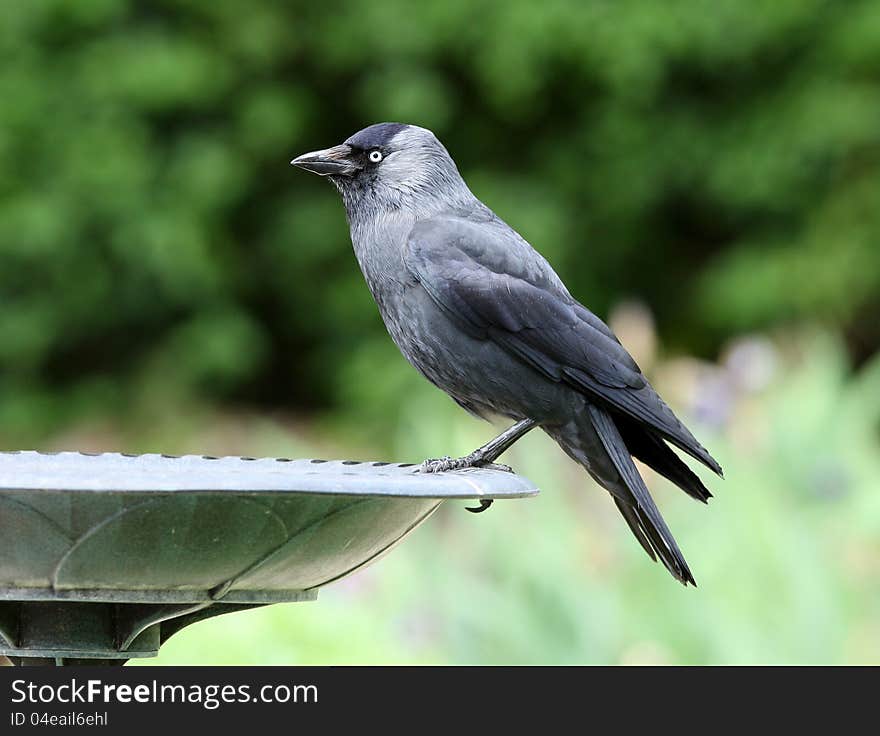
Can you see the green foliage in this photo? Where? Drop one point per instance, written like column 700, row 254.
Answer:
column 719, row 161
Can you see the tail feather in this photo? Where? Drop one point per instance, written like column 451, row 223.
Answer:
column 656, row 454
column 629, row 514
column 639, row 510
column 647, row 408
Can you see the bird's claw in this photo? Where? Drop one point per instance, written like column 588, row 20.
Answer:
column 438, row 465
column 445, row 464
column 485, row 503
column 496, row 466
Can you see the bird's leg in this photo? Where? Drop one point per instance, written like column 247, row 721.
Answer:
column 485, row 456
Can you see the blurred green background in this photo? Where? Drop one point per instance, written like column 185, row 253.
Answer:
column 705, row 176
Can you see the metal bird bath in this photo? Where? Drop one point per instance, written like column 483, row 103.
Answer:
column 103, row 557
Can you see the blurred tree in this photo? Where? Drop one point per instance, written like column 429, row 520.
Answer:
column 721, row 162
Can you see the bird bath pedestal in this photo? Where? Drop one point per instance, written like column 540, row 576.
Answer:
column 103, row 557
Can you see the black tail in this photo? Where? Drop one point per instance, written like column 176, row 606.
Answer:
column 656, row 454
column 636, row 505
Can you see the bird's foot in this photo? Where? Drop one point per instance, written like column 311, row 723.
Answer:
column 495, row 466
column 474, row 460
column 437, row 465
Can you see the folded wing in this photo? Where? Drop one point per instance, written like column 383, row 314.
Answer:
column 497, row 287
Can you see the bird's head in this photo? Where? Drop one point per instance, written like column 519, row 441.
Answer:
column 388, row 165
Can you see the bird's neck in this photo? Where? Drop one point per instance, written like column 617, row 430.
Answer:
column 381, row 221
column 379, row 241
column 364, row 203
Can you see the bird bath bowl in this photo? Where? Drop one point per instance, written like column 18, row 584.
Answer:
column 103, row 557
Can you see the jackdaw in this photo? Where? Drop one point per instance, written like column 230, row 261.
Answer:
column 483, row 316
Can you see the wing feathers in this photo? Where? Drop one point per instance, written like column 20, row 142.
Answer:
column 497, row 287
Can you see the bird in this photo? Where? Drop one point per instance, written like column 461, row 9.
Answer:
column 484, row 317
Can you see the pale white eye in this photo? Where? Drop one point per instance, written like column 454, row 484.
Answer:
column 375, row 156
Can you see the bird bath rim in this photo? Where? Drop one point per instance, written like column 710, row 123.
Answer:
column 160, row 473
column 103, row 557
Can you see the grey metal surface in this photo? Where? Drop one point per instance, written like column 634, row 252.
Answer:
column 105, row 556
column 74, row 471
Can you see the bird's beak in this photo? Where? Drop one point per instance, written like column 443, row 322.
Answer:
column 334, row 161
